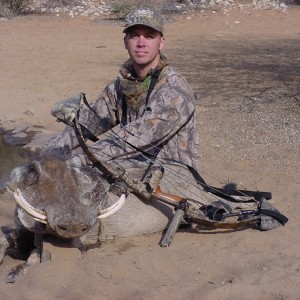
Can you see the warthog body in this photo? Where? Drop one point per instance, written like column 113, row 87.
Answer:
column 72, row 198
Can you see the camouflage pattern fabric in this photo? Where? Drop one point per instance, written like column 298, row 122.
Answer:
column 66, row 110
column 146, row 17
column 165, row 127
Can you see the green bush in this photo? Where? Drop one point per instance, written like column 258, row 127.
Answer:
column 12, row 7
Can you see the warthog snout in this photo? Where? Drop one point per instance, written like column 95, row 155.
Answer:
column 71, row 222
column 72, row 229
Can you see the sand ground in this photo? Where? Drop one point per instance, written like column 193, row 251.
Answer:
column 245, row 69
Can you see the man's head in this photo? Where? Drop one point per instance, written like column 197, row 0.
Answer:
column 145, row 17
column 144, row 40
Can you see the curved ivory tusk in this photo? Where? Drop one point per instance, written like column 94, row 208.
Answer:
column 104, row 213
column 37, row 214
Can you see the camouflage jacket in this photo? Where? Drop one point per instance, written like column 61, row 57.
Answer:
column 164, row 127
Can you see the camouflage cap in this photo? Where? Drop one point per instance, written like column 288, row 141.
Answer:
column 146, row 17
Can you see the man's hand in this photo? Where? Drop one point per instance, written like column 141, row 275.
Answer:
column 66, row 110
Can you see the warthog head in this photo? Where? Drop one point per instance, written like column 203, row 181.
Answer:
column 55, row 197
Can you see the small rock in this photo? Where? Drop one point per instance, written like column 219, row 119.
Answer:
column 28, row 112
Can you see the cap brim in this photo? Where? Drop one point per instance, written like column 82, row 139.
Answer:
column 141, row 24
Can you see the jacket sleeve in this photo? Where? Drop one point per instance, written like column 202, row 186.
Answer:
column 171, row 105
column 101, row 118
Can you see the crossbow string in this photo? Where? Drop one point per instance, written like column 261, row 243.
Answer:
column 163, row 162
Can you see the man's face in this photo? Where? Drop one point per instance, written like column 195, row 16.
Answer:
column 143, row 45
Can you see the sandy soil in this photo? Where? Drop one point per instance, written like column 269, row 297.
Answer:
column 244, row 67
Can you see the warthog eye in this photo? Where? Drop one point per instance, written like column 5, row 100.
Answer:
column 31, row 176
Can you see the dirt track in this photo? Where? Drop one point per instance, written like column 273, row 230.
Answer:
column 245, row 69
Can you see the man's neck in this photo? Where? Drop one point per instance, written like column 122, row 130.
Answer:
column 142, row 71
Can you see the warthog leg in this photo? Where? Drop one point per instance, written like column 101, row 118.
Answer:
column 15, row 239
column 21, row 269
column 38, row 254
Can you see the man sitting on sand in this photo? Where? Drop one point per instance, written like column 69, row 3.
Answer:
column 146, row 115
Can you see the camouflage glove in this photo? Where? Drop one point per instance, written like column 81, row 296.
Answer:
column 66, row 110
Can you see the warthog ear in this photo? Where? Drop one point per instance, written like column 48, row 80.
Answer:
column 31, row 175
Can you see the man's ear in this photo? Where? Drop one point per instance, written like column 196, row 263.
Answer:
column 162, row 43
column 125, row 42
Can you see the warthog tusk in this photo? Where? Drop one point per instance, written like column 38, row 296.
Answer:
column 37, row 214
column 112, row 209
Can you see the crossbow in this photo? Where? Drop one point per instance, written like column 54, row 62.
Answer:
column 265, row 216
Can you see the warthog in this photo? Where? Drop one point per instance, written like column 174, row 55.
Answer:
column 54, row 197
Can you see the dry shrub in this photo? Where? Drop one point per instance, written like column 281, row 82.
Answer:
column 123, row 7
column 9, row 8
column 292, row 2
column 61, row 3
